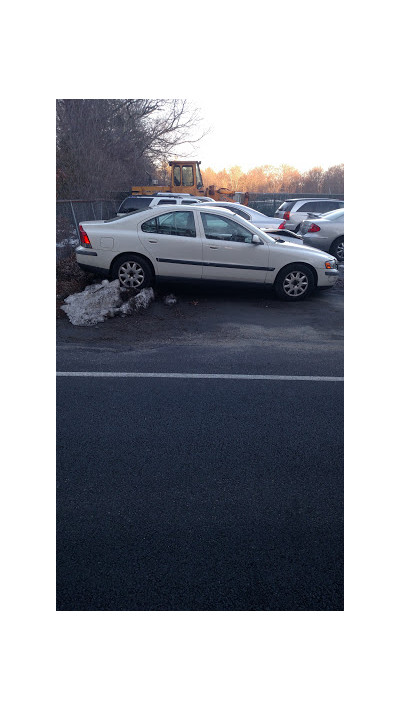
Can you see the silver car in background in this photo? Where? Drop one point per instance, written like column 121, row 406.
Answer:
column 325, row 233
column 135, row 203
column 295, row 211
column 257, row 218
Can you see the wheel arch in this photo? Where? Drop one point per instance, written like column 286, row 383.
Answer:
column 133, row 254
column 336, row 241
column 292, row 265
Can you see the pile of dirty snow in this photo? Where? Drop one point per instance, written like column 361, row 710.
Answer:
column 100, row 301
column 170, row 300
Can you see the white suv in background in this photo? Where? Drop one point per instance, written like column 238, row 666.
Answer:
column 142, row 202
column 295, row 211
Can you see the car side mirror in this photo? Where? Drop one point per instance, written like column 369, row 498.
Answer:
column 256, row 240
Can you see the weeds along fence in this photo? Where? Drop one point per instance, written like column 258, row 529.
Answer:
column 70, row 213
column 268, row 203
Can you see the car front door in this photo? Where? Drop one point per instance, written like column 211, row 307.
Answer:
column 229, row 253
column 176, row 248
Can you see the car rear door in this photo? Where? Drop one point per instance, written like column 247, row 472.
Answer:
column 229, row 253
column 174, row 243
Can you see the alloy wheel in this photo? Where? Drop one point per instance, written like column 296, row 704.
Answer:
column 131, row 274
column 295, row 284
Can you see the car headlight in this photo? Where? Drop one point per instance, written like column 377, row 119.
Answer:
column 331, row 264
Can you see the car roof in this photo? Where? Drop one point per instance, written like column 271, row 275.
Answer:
column 312, row 199
column 221, row 203
column 199, row 207
column 226, row 202
column 181, row 208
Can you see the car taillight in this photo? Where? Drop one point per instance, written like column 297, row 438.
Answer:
column 313, row 228
column 286, row 216
column 282, row 225
column 85, row 241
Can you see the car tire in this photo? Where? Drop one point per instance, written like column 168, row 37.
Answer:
column 294, row 282
column 337, row 249
column 133, row 272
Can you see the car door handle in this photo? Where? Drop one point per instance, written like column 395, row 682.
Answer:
column 211, row 247
column 153, row 241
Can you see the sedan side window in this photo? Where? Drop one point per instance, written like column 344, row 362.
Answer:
column 217, row 227
column 150, row 225
column 180, row 224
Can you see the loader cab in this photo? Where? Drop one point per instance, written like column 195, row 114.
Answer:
column 186, row 176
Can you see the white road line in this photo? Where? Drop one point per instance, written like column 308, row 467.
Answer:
column 199, row 376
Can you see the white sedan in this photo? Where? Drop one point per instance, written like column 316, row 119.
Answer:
column 198, row 243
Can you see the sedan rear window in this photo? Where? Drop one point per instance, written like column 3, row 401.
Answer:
column 240, row 212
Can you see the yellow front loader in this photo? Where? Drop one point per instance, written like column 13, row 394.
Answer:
column 185, row 177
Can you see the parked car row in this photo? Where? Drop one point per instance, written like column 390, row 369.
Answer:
column 202, row 242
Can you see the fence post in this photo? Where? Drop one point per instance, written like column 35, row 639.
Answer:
column 74, row 216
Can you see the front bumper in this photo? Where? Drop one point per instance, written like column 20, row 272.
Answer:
column 327, row 277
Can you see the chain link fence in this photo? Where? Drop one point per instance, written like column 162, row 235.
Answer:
column 268, row 203
column 69, row 213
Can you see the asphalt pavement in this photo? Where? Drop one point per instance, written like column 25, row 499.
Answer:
column 195, row 494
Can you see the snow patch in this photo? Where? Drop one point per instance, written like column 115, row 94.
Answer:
column 100, row 301
column 170, row 299
column 143, row 299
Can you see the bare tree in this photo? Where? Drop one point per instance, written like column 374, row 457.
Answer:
column 106, row 145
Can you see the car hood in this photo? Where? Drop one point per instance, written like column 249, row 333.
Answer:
column 302, row 249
